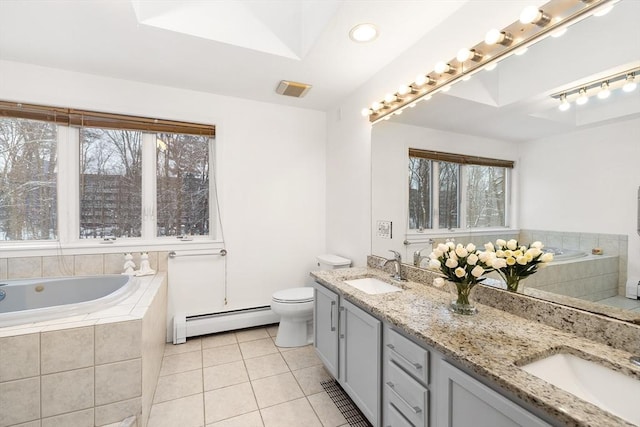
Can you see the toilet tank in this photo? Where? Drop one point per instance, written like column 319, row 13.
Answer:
column 331, row 262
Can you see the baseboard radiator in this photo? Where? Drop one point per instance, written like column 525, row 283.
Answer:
column 192, row 326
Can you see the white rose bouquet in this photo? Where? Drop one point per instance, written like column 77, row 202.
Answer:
column 462, row 266
column 513, row 261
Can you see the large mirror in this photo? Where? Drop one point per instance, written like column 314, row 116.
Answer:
column 575, row 182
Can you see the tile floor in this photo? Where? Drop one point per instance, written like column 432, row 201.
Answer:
column 241, row 379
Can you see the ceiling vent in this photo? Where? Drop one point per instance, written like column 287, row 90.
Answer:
column 292, row 88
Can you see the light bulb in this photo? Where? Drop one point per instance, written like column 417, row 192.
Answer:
column 403, row 90
column 495, row 36
column 604, row 91
column 583, row 98
column 420, row 80
column 442, row 67
column 630, row 85
column 376, row 106
column 389, row 98
column 464, row 54
column 533, row 15
column 366, row 112
column 564, row 104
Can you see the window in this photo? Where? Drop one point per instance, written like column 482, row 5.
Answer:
column 133, row 177
column 182, row 179
column 451, row 191
column 28, row 176
column 110, row 183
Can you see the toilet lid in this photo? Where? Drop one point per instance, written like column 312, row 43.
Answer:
column 294, row 295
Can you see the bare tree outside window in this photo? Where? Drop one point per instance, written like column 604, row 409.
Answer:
column 182, row 180
column 449, row 196
column 110, row 183
column 28, row 175
column 419, row 193
column 485, row 196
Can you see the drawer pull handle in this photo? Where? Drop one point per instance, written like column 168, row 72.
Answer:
column 414, row 364
column 416, row 410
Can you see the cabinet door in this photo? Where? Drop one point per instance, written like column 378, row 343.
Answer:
column 325, row 327
column 464, row 402
column 360, row 359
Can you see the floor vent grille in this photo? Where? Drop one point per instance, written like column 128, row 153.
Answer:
column 349, row 411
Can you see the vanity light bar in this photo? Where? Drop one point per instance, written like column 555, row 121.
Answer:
column 601, row 87
column 549, row 18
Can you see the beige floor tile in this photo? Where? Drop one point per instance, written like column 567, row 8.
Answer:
column 218, row 340
column 229, row 402
column 245, row 335
column 185, row 412
column 252, row 419
column 266, row 366
column 178, row 385
column 301, row 357
column 290, row 414
column 272, row 330
column 225, row 375
column 276, row 389
column 310, row 378
column 192, row 344
column 221, row 355
column 182, row 362
column 326, row 410
column 258, row 348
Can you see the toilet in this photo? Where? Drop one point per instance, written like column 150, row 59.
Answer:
column 295, row 307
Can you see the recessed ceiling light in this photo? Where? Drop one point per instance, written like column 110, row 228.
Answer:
column 363, row 33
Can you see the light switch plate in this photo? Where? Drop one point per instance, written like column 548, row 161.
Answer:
column 384, row 229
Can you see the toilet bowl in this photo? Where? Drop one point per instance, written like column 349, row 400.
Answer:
column 295, row 308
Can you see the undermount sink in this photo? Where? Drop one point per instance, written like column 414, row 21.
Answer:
column 608, row 389
column 372, row 286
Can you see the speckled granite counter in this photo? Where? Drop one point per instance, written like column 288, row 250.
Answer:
column 491, row 343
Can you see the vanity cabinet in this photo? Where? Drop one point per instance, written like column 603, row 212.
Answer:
column 347, row 339
column 465, row 401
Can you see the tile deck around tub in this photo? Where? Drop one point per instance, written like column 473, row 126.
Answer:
column 241, row 379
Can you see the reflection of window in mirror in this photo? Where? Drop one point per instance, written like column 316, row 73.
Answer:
column 452, row 191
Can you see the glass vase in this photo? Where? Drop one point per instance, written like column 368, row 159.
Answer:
column 462, row 302
column 514, row 283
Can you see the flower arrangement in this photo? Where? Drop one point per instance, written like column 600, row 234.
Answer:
column 461, row 265
column 513, row 261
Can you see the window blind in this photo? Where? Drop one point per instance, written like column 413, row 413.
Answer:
column 460, row 158
column 85, row 118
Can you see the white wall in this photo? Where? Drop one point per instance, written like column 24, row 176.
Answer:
column 585, row 181
column 271, row 162
column 390, row 145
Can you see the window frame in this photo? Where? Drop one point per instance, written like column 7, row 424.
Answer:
column 462, row 161
column 68, row 186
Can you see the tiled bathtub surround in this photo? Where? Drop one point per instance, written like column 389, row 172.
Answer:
column 74, row 265
column 86, row 370
column 611, row 245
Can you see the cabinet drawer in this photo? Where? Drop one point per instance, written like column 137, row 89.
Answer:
column 408, row 396
column 394, row 418
column 413, row 358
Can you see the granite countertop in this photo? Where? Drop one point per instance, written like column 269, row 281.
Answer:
column 491, row 343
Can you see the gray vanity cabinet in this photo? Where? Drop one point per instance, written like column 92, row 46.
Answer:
column 325, row 328
column 347, row 340
column 466, row 402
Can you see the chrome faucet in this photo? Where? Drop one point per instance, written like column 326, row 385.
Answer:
column 417, row 255
column 396, row 260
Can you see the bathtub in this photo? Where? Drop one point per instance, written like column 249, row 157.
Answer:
column 35, row 300
column 564, row 254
